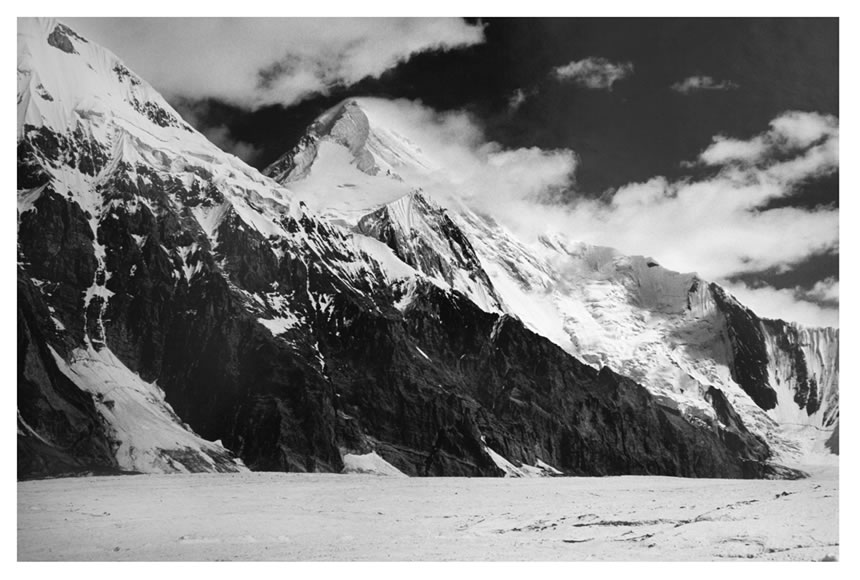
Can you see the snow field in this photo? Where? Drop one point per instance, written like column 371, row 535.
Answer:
column 349, row 517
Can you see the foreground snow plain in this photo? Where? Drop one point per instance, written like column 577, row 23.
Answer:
column 350, row 517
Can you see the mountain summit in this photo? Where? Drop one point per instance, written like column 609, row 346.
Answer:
column 375, row 149
column 180, row 311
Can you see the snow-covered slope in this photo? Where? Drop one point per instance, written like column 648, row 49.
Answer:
column 685, row 339
column 680, row 336
column 148, row 435
column 369, row 463
column 423, row 235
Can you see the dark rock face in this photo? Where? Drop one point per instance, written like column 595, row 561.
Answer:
column 123, row 74
column 155, row 114
column 74, row 149
column 489, row 376
column 55, row 244
column 807, row 395
column 61, row 37
column 413, row 247
column 833, row 442
column 286, row 165
column 732, row 431
column 749, row 361
column 59, row 430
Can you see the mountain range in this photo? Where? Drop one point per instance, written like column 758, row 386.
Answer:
column 347, row 310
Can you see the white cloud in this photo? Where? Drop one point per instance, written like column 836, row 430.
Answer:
column 790, row 132
column 798, row 129
column 712, row 227
column 594, row 72
column 476, row 170
column 826, row 290
column 517, row 99
column 725, row 150
column 786, row 304
column 702, row 83
column 252, row 62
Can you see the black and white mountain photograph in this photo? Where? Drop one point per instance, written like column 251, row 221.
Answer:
column 421, row 289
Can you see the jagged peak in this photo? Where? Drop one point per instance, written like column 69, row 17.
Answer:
column 364, row 127
column 412, row 211
column 415, row 198
column 44, row 26
column 346, row 122
column 64, row 79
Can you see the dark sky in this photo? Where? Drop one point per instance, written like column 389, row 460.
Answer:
column 637, row 130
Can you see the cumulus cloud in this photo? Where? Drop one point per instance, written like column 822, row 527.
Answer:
column 796, row 129
column 826, row 290
column 467, row 165
column 594, row 72
column 253, row 62
column 516, row 100
column 789, row 133
column 717, row 226
column 713, row 227
column 702, row 83
column 726, row 150
column 787, row 304
column 519, row 97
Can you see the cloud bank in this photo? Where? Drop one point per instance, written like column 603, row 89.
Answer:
column 702, row 83
column 253, row 62
column 719, row 226
column 468, row 165
column 593, row 72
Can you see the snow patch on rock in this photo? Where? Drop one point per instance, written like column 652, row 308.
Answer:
column 148, row 436
column 369, row 463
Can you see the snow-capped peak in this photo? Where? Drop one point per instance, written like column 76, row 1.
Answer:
column 359, row 127
column 91, row 120
column 63, row 79
column 423, row 234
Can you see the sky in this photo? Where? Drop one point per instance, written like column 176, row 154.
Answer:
column 710, row 145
